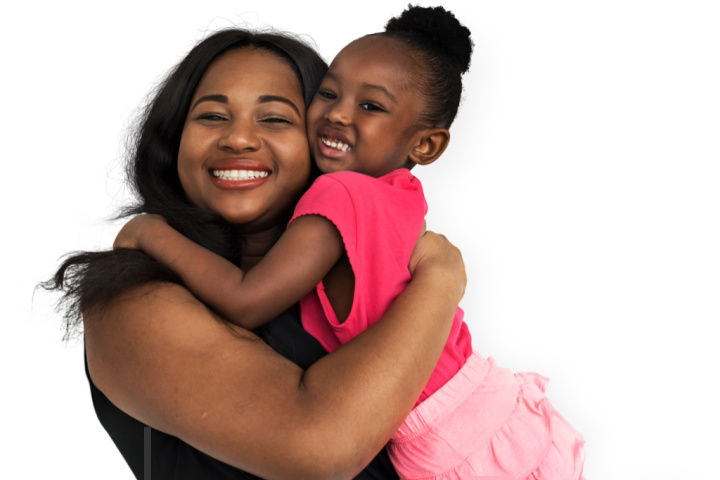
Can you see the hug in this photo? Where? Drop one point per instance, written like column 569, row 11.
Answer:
column 276, row 308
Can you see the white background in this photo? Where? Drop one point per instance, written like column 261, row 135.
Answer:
column 581, row 184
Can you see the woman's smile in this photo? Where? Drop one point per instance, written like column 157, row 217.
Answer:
column 238, row 173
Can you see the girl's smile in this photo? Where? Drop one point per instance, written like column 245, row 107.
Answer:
column 365, row 115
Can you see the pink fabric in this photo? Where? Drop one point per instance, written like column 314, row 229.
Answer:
column 487, row 423
column 474, row 419
column 379, row 220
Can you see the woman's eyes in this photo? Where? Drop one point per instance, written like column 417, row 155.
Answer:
column 276, row 120
column 212, row 117
column 270, row 119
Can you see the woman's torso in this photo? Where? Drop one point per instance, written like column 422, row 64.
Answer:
column 163, row 456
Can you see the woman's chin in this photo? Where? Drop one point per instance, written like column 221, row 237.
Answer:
column 253, row 222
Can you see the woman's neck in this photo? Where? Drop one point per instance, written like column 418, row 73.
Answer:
column 256, row 244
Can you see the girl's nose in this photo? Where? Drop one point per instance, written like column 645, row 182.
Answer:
column 240, row 136
column 339, row 113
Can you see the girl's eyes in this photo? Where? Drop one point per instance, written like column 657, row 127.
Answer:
column 371, row 107
column 367, row 106
column 327, row 94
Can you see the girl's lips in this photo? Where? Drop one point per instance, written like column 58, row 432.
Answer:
column 332, row 144
column 328, row 151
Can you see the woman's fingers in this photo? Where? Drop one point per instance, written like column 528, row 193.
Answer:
column 434, row 251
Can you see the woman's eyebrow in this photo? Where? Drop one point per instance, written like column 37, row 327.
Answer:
column 278, row 98
column 210, row 98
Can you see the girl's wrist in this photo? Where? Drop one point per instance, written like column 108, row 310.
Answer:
column 152, row 230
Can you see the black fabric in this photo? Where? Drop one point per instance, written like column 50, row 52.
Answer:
column 171, row 458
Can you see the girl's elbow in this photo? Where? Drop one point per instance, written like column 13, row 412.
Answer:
column 243, row 315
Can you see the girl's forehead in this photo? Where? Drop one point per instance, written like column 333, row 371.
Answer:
column 373, row 45
column 376, row 55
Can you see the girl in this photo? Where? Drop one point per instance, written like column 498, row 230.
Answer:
column 384, row 106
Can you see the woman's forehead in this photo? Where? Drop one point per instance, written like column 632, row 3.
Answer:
column 252, row 71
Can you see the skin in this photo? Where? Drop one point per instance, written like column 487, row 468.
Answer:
column 216, row 385
column 368, row 99
column 229, row 120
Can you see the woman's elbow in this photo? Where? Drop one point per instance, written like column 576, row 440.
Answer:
column 329, row 453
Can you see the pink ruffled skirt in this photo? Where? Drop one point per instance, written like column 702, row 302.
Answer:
column 487, row 423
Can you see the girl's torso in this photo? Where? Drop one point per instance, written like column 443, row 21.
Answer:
column 379, row 220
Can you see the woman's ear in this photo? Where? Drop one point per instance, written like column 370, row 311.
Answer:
column 430, row 144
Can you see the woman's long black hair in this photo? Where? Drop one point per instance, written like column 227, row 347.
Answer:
column 90, row 279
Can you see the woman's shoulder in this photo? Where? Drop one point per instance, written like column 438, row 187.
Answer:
column 142, row 343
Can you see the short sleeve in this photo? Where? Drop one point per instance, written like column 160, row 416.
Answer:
column 330, row 198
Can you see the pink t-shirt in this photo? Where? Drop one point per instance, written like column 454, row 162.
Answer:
column 380, row 220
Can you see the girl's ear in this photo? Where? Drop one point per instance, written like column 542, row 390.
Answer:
column 429, row 146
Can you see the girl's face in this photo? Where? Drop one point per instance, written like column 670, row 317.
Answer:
column 243, row 151
column 365, row 115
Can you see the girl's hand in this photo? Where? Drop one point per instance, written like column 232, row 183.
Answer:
column 433, row 253
column 131, row 233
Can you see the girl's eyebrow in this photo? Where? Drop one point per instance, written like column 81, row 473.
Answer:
column 382, row 89
column 329, row 74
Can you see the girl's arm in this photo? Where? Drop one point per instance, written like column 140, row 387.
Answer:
column 301, row 258
column 162, row 357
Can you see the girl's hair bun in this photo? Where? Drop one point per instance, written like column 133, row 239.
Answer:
column 436, row 29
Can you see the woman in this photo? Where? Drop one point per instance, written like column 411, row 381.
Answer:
column 222, row 155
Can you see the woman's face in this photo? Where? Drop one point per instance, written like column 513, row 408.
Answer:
column 243, row 151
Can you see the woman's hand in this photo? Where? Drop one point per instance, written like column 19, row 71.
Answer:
column 433, row 252
column 131, row 233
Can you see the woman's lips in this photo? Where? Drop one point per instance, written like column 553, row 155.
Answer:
column 235, row 174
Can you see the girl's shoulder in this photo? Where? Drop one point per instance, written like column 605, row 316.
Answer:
column 356, row 181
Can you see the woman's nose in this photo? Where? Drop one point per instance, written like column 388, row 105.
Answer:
column 240, row 136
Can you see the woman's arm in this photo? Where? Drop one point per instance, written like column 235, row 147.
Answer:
column 162, row 357
column 301, row 258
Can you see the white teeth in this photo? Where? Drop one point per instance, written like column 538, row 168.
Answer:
column 239, row 174
column 336, row 144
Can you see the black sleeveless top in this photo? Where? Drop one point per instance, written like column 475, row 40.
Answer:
column 154, row 455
